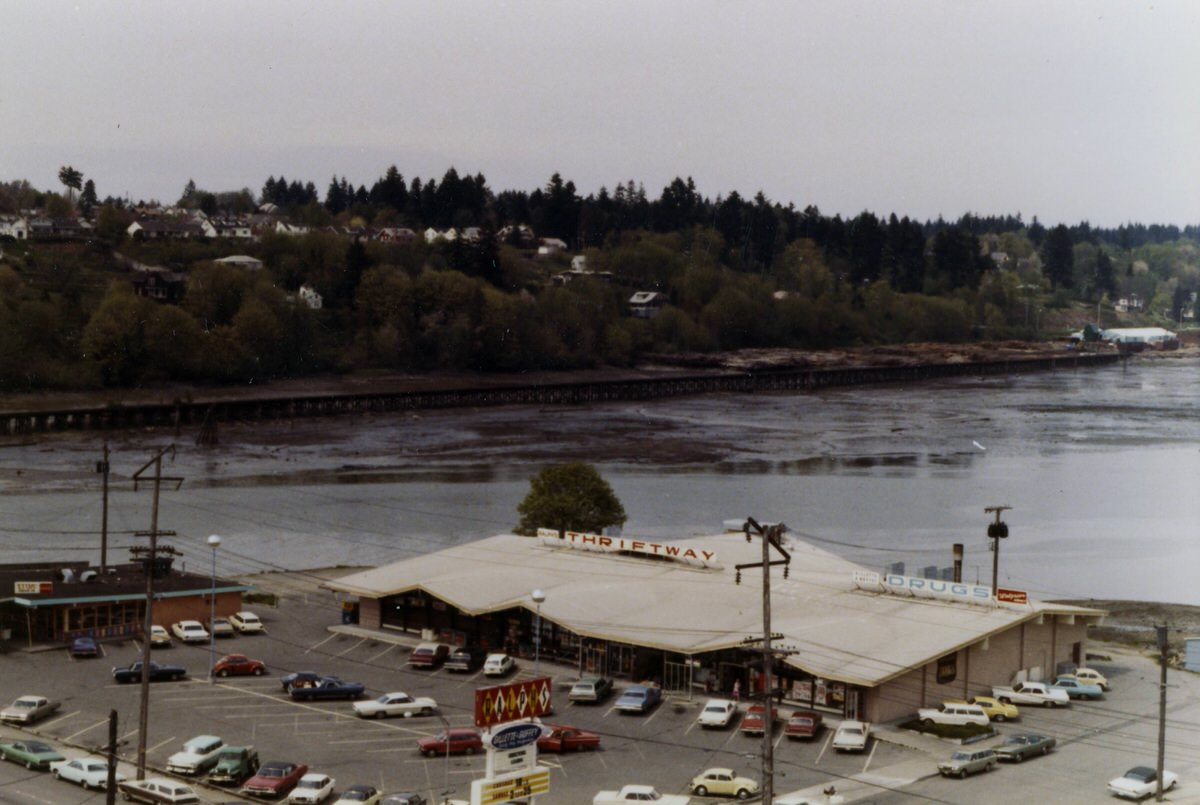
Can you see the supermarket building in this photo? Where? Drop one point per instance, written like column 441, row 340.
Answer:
column 860, row 644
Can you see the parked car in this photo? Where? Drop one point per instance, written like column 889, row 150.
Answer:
column 158, row 672
column 234, row 765
column 639, row 699
column 300, row 679
column 404, row 798
column 238, row 665
column 723, row 782
column 395, row 704
column 274, row 778
column 803, row 724
column 246, row 622
column 89, row 772
column 312, row 789
column 33, row 755
column 1032, row 693
column 717, row 713
column 1141, row 782
column 638, row 793
column 159, row 637
column 1018, row 747
column 1091, row 676
column 84, row 647
column 996, row 710
column 221, row 627
column 157, row 790
column 1077, row 688
column 590, row 690
column 557, row 738
column 198, row 755
column 851, row 736
column 329, row 687
column 499, row 665
column 953, row 714
column 359, row 795
column 428, row 655
column 756, row 720
column 968, row 761
column 29, row 709
column 190, row 631
column 456, row 741
column 465, row 659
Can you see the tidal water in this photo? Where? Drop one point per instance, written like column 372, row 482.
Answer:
column 1100, row 466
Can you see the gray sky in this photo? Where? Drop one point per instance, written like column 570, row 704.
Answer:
column 1063, row 110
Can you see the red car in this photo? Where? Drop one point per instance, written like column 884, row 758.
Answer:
column 238, row 665
column 557, row 738
column 752, row 722
column 803, row 724
column 459, row 741
column 274, row 779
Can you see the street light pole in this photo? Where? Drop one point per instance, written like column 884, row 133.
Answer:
column 214, row 542
column 538, row 597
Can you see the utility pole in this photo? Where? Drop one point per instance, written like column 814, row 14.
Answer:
column 111, row 788
column 996, row 532
column 102, row 468
column 150, row 563
column 771, row 538
column 1162, row 708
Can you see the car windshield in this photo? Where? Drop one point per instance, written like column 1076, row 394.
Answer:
column 34, row 746
column 25, row 703
column 355, row 796
column 715, row 708
column 852, row 730
column 960, row 756
column 635, row 694
column 311, row 783
column 273, row 771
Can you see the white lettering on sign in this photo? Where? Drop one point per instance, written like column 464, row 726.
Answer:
column 32, row 587
column 603, row 544
column 864, row 578
column 936, row 588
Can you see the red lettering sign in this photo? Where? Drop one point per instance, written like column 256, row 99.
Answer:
column 1012, row 596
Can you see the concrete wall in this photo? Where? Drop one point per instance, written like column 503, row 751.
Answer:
column 368, row 613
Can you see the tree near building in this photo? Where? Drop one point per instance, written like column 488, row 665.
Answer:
column 569, row 497
column 72, row 178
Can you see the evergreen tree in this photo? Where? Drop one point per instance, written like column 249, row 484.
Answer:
column 1058, row 257
column 71, row 178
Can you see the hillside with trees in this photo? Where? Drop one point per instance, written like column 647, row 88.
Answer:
column 422, row 275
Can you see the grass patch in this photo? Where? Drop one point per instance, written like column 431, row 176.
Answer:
column 270, row 599
column 955, row 732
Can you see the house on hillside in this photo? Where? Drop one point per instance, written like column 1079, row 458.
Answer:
column 395, row 234
column 159, row 284
column 550, row 247
column 309, row 296
column 14, row 226
column 646, row 304
column 164, row 229
column 234, row 228
column 241, row 261
column 286, row 228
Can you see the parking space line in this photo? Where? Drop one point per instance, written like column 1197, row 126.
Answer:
column 159, row 745
column 75, row 735
column 313, row 648
column 62, row 717
column 347, row 651
column 380, row 654
column 824, row 747
column 871, row 755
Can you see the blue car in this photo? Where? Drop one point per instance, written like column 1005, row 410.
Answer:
column 1075, row 689
column 84, row 647
column 639, row 699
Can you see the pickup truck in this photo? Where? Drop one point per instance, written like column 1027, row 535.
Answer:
column 329, row 688
column 28, row 709
column 638, row 793
column 1032, row 693
column 158, row 673
column 234, row 765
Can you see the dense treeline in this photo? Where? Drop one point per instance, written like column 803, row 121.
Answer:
column 733, row 273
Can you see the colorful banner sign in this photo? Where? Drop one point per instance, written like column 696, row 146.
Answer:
column 33, row 587
column 1007, row 596
column 512, row 702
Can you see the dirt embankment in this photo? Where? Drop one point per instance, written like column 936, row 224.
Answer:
column 1132, row 623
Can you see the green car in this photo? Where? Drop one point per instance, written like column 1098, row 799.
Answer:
column 31, row 754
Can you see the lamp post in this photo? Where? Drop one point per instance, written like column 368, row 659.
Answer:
column 214, row 542
column 538, row 597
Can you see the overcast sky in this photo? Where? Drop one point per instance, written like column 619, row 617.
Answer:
column 1068, row 111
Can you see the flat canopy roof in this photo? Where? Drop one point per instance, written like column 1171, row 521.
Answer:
column 837, row 629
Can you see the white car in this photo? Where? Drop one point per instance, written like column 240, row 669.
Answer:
column 1092, row 677
column 1141, row 782
column 159, row 637
column 851, row 736
column 498, row 665
column 246, row 622
column 190, row 631
column 717, row 713
column 1032, row 693
column 954, row 714
column 312, row 789
column 221, row 627
column 198, row 755
column 395, row 704
column 89, row 772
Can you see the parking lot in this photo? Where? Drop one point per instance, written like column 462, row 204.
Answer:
column 1096, row 740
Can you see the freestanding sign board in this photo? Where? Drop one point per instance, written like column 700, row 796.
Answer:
column 511, row 702
column 507, row 787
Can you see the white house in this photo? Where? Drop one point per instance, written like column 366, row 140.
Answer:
column 285, row 228
column 227, row 228
column 309, row 296
column 241, row 261
column 646, row 304
column 14, row 226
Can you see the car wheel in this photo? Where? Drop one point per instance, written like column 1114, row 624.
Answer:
column 962, row 775
column 927, row 723
column 425, row 711
column 177, row 677
column 999, row 717
column 700, row 791
column 56, row 775
column 29, row 764
column 258, row 671
column 1047, row 703
column 125, row 795
column 743, row 794
column 1019, row 756
column 1005, row 700
column 428, row 753
column 82, row 783
column 1045, row 750
column 223, row 672
column 470, row 750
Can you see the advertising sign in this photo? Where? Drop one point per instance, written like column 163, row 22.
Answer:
column 512, row 702
column 33, row 587
column 605, row 544
column 508, row 787
column 514, row 736
column 1012, row 596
